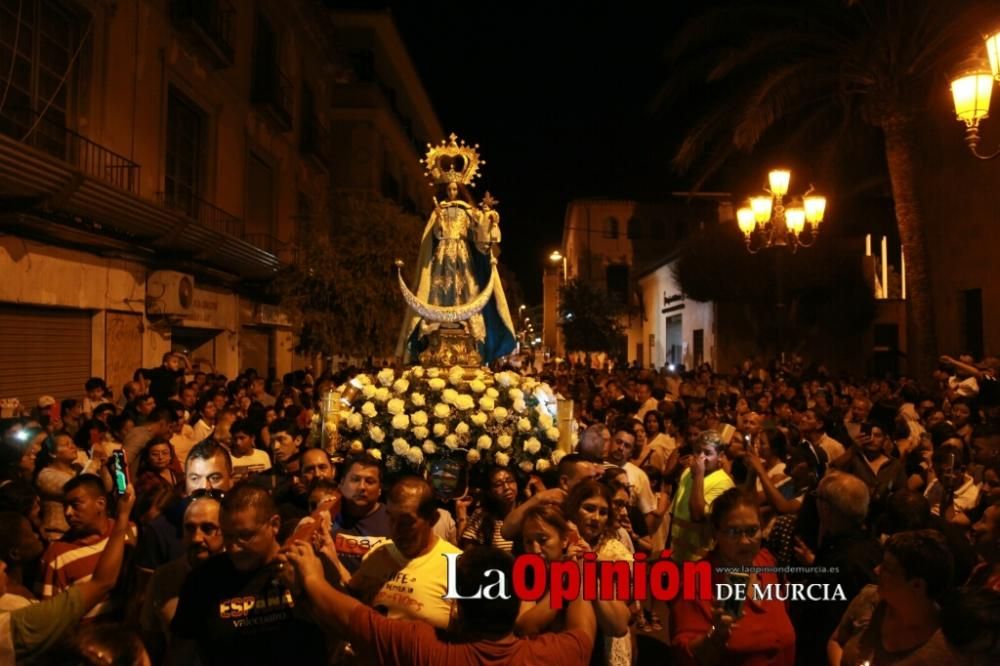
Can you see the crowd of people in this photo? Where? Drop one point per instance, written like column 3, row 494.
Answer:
column 239, row 539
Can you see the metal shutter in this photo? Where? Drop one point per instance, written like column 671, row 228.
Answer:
column 43, row 352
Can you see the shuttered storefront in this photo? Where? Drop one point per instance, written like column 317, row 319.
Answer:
column 43, row 352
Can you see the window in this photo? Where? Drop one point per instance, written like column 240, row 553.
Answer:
column 972, row 338
column 617, row 277
column 363, row 63
column 611, row 228
column 260, row 196
column 303, row 214
column 699, row 346
column 47, row 37
column 269, row 85
column 185, row 156
column 634, row 229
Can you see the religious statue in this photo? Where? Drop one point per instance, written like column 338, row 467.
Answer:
column 458, row 314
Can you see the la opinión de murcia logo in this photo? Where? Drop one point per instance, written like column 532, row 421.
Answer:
column 662, row 580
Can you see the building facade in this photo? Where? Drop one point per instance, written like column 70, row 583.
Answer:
column 159, row 160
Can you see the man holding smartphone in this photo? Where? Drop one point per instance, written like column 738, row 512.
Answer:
column 952, row 493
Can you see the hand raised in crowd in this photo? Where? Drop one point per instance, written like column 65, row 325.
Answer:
column 303, row 560
column 553, row 496
column 723, row 626
column 698, row 465
column 126, row 501
column 803, row 553
column 462, row 505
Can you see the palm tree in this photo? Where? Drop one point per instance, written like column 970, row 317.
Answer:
column 827, row 74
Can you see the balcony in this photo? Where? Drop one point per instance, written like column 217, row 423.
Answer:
column 211, row 26
column 53, row 138
column 285, row 252
column 202, row 212
column 314, row 143
column 273, row 92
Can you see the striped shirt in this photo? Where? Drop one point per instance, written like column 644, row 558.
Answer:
column 66, row 563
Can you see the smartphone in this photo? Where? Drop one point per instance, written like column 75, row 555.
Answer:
column 119, row 472
column 734, row 606
column 866, row 428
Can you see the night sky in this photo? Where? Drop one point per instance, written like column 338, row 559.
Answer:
column 558, row 97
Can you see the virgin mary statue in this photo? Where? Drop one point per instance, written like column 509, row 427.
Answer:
column 457, row 282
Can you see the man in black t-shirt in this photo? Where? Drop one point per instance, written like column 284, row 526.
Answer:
column 235, row 607
column 362, row 523
column 165, row 381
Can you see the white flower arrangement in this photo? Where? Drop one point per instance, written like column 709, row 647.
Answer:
column 501, row 419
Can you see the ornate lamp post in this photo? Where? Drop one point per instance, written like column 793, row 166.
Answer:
column 971, row 92
column 776, row 225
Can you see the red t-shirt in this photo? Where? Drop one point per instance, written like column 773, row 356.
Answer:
column 764, row 634
column 378, row 640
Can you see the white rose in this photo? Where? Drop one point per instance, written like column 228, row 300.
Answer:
column 465, row 402
column 542, row 464
column 504, row 379
column 493, row 393
column 330, row 428
column 449, row 396
column 532, row 446
column 368, row 409
column 420, row 432
column 501, row 459
column 417, row 371
column 385, row 376
column 516, row 394
column 418, row 399
column 544, row 420
column 400, row 446
column 375, row 453
column 456, row 379
column 451, row 441
column 396, row 406
column 505, row 441
column 520, row 406
column 500, row 413
column 456, row 370
column 526, row 466
column 486, row 403
column 440, row 429
column 462, row 428
column 400, row 421
column 368, row 391
column 552, row 434
column 436, row 384
column 433, row 372
column 376, row 434
column 441, row 410
column 357, row 447
column 364, row 380
column 354, row 421
column 429, row 447
column 415, row 455
column 382, row 394
column 524, row 425
column 479, row 418
column 484, row 442
column 477, row 386
column 557, row 455
column 419, row 418
column 401, row 386
column 472, row 456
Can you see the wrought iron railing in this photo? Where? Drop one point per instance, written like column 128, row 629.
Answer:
column 49, row 135
column 201, row 212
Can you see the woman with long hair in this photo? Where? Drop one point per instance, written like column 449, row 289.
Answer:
column 203, row 419
column 498, row 498
column 157, row 465
column 55, row 465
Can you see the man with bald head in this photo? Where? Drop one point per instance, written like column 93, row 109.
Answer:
column 407, row 576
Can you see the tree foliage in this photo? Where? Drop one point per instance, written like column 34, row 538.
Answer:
column 785, row 295
column 590, row 320
column 342, row 287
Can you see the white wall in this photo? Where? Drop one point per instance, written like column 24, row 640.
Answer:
column 694, row 315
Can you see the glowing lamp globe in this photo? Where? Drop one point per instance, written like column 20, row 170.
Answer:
column 761, row 207
column 745, row 220
column 971, row 93
column 815, row 207
column 993, row 51
column 795, row 218
column 778, row 179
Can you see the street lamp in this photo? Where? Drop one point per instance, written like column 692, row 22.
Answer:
column 555, row 258
column 971, row 92
column 776, row 225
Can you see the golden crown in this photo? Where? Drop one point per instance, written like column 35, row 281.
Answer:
column 452, row 162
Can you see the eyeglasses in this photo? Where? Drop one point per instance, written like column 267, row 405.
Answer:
column 738, row 532
column 212, row 493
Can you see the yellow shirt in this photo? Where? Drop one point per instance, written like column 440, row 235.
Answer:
column 408, row 589
column 691, row 540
